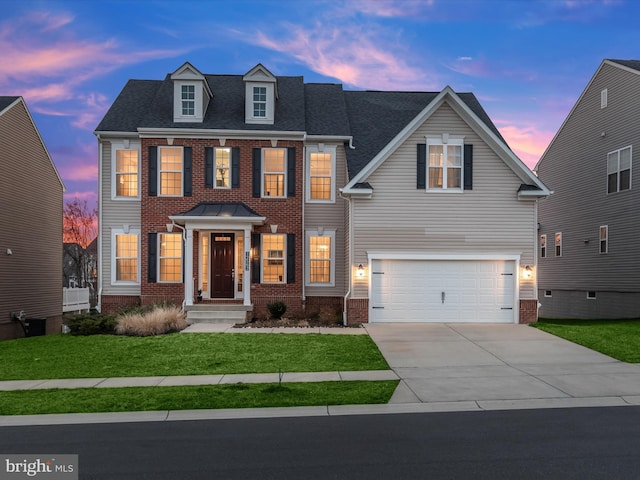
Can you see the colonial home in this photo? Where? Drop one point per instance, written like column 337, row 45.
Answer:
column 227, row 192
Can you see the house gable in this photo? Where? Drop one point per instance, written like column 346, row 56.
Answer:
column 491, row 138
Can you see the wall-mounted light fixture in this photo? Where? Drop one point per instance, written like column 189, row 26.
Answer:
column 9, row 252
column 360, row 271
column 528, row 272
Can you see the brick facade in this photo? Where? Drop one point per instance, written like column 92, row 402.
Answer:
column 357, row 311
column 286, row 213
column 528, row 311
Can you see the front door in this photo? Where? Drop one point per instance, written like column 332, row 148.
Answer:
column 222, row 265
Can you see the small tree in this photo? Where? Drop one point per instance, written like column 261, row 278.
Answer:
column 80, row 228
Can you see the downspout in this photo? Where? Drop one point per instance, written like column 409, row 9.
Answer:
column 100, row 262
column 304, row 231
column 350, row 261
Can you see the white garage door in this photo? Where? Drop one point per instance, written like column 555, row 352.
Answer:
column 442, row 291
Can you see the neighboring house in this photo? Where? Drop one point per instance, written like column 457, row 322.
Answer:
column 388, row 206
column 30, row 223
column 80, row 267
column 589, row 254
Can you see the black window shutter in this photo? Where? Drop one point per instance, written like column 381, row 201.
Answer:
column 421, row 182
column 291, row 257
column 291, row 172
column 208, row 167
column 468, row 167
column 257, row 172
column 153, row 171
column 153, row 257
column 255, row 261
column 235, row 167
column 188, row 171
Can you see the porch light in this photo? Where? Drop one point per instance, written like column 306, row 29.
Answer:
column 360, row 271
column 528, row 272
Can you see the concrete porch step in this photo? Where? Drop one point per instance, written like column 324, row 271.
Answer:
column 217, row 313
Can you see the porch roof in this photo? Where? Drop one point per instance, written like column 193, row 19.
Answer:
column 220, row 211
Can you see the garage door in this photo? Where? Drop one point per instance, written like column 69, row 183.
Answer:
column 442, row 291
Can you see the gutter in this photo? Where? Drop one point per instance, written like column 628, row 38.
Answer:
column 350, row 262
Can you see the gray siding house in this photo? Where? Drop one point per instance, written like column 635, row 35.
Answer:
column 31, row 200
column 589, row 255
column 381, row 206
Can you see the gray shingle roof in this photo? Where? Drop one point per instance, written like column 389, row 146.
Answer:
column 372, row 118
column 219, row 209
column 635, row 64
column 6, row 101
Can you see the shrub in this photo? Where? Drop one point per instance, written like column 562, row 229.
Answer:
column 91, row 324
column 158, row 321
column 276, row 309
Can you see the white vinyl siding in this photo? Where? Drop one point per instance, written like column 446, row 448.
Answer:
column 486, row 219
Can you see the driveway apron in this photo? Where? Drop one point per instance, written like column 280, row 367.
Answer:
column 486, row 362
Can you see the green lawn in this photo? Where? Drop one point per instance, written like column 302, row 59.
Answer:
column 66, row 356
column 619, row 339
column 130, row 399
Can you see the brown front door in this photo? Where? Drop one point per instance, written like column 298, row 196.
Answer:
column 222, row 265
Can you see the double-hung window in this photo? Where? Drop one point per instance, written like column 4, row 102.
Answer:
column 188, row 99
column 126, row 178
column 604, row 239
column 619, row 170
column 125, row 260
column 260, row 102
column 273, row 255
column 223, row 167
column 320, row 261
column 274, row 167
column 321, row 174
column 558, row 244
column 444, row 164
column 543, row 246
column 170, row 257
column 170, row 171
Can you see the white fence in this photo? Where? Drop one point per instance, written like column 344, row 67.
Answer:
column 75, row 299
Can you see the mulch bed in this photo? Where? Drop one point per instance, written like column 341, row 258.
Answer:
column 289, row 322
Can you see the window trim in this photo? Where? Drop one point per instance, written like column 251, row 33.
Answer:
column 445, row 140
column 215, row 167
column 543, row 245
column 160, row 171
column 198, row 101
column 186, row 101
column 114, row 233
column 332, row 259
column 618, row 171
column 134, row 146
column 557, row 244
column 332, row 150
column 160, row 257
column 263, row 172
column 605, row 239
column 264, row 257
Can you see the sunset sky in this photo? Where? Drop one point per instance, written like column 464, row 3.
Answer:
column 526, row 61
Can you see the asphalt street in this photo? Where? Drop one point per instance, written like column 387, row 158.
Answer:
column 576, row 443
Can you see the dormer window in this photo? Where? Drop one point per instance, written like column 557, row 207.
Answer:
column 191, row 94
column 261, row 93
column 259, row 102
column 188, row 100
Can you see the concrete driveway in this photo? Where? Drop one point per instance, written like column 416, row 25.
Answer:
column 500, row 366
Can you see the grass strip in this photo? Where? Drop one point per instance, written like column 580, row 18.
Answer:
column 66, row 356
column 130, row 399
column 619, row 339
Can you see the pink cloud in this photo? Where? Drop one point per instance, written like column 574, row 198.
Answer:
column 353, row 55
column 77, row 163
column 527, row 142
column 390, row 8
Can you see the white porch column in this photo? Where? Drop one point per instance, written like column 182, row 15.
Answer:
column 246, row 278
column 188, row 266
